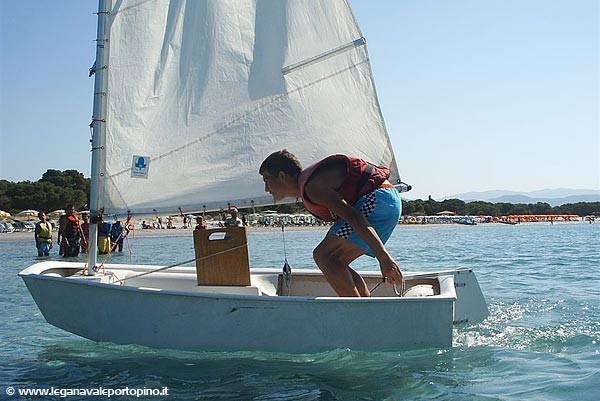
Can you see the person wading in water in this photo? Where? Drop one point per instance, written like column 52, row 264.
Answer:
column 69, row 233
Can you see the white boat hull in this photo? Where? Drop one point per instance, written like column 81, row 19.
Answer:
column 169, row 310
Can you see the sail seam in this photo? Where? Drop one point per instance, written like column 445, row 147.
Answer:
column 323, row 56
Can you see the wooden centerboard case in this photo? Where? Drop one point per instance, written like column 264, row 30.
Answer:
column 222, row 256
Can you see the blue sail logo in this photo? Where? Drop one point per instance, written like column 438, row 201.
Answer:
column 139, row 167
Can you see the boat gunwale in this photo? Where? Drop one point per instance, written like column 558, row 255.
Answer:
column 263, row 298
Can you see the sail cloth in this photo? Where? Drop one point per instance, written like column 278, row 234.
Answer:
column 199, row 92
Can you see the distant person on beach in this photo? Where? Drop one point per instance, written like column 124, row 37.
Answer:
column 85, row 231
column 233, row 220
column 200, row 224
column 353, row 194
column 43, row 235
column 69, row 233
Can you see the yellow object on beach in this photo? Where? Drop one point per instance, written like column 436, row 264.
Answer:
column 27, row 214
column 104, row 244
column 56, row 214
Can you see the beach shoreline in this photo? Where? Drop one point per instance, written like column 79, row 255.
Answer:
column 165, row 232
column 139, row 232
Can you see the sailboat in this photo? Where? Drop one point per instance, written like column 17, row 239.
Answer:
column 189, row 98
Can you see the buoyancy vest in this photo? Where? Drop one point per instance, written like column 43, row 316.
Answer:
column 361, row 178
column 72, row 226
column 44, row 231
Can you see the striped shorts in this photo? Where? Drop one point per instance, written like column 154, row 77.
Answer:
column 382, row 208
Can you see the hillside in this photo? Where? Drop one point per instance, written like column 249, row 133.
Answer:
column 554, row 197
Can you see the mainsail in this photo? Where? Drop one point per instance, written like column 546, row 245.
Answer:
column 199, row 92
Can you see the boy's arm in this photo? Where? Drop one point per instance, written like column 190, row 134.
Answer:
column 322, row 193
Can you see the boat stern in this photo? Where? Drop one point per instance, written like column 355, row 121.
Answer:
column 470, row 304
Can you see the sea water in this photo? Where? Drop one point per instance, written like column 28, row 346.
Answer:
column 541, row 341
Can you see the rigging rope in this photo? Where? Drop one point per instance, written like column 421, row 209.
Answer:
column 183, row 263
column 398, row 293
column 287, row 270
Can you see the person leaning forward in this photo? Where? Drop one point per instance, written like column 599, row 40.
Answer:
column 353, row 194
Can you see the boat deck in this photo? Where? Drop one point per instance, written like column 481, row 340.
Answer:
column 264, row 282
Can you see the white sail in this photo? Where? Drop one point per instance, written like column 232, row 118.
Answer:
column 200, row 92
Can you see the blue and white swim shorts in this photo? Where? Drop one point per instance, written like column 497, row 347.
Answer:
column 382, row 208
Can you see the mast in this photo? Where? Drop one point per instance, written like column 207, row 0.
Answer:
column 98, row 130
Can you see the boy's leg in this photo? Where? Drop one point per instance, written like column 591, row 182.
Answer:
column 333, row 256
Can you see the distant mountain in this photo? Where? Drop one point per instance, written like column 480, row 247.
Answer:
column 550, row 201
column 554, row 197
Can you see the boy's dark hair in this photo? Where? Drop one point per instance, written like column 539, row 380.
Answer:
column 281, row 160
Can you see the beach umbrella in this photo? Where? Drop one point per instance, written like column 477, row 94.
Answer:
column 4, row 214
column 28, row 214
column 56, row 214
column 446, row 213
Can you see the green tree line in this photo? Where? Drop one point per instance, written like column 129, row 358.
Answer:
column 476, row 208
column 57, row 189
column 431, row 208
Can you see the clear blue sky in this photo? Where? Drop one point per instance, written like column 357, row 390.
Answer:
column 477, row 95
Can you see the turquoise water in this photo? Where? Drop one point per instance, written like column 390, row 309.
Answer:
column 541, row 342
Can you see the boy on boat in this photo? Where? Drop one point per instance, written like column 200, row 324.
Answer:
column 357, row 197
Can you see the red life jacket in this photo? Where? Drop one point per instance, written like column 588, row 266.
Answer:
column 72, row 226
column 361, row 178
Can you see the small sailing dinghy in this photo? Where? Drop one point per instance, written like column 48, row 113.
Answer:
column 190, row 96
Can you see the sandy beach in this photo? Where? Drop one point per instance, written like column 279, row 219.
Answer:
column 139, row 232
